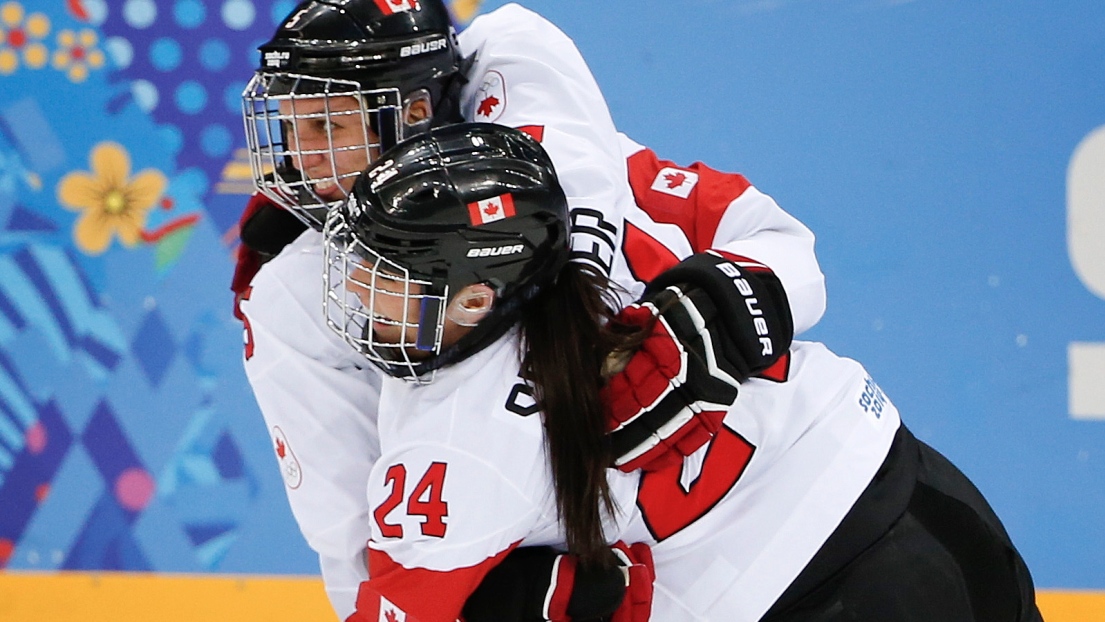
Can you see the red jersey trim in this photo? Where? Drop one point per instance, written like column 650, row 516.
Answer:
column 699, row 214
column 417, row 594
column 646, row 256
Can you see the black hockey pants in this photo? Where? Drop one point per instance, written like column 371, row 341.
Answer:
column 921, row 544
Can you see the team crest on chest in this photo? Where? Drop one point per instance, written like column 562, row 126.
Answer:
column 391, row 7
column 289, row 464
column 491, row 97
column 675, row 181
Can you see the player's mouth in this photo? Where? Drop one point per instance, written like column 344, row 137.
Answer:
column 328, row 189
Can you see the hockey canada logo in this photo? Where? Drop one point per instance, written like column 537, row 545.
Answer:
column 491, row 97
column 674, row 181
column 289, row 464
column 490, row 210
column 391, row 7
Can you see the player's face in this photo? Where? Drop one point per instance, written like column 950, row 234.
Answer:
column 329, row 136
column 393, row 301
column 395, row 304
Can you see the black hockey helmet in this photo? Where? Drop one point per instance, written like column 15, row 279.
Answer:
column 403, row 44
column 463, row 204
column 383, row 53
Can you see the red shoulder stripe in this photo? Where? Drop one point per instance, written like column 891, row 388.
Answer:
column 693, row 198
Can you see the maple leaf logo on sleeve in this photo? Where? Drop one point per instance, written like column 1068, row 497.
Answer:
column 281, row 448
column 675, row 179
column 487, row 106
column 390, row 612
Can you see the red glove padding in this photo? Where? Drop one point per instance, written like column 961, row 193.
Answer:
column 713, row 321
column 674, row 392
column 640, row 576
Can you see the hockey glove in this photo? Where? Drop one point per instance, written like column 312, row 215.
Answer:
column 264, row 229
column 539, row 584
column 753, row 309
column 714, row 320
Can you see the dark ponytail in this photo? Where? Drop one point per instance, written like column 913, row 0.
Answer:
column 566, row 337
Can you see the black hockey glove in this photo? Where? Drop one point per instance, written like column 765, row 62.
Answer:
column 714, row 320
column 264, row 229
column 539, row 584
column 268, row 228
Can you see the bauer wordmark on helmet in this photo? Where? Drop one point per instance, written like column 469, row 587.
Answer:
column 460, row 205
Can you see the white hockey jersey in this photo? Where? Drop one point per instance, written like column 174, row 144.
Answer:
column 464, row 477
column 319, row 397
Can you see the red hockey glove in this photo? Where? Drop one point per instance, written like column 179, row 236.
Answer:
column 640, row 574
column 264, row 229
column 716, row 320
column 540, row 584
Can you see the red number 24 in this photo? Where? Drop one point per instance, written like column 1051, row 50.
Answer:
column 425, row 500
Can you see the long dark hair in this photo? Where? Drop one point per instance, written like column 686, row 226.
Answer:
column 568, row 330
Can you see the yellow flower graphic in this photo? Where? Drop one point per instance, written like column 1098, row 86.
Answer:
column 465, row 10
column 19, row 36
column 77, row 53
column 111, row 202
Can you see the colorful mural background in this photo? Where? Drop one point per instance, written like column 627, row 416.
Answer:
column 927, row 144
column 128, row 437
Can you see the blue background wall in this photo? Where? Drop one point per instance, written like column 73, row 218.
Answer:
column 926, row 142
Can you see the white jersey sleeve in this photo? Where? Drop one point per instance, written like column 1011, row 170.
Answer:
column 529, row 75
column 681, row 210
column 318, row 397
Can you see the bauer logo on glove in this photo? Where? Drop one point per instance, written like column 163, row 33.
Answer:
column 711, row 322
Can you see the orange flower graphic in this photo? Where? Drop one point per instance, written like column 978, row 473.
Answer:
column 21, row 36
column 110, row 201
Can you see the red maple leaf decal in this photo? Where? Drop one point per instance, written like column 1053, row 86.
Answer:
column 491, row 209
column 280, row 448
column 390, row 616
column 487, row 106
column 675, row 180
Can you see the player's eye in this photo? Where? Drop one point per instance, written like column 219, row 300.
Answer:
column 331, row 125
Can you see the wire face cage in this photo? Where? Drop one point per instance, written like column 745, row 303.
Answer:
column 309, row 138
column 375, row 305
